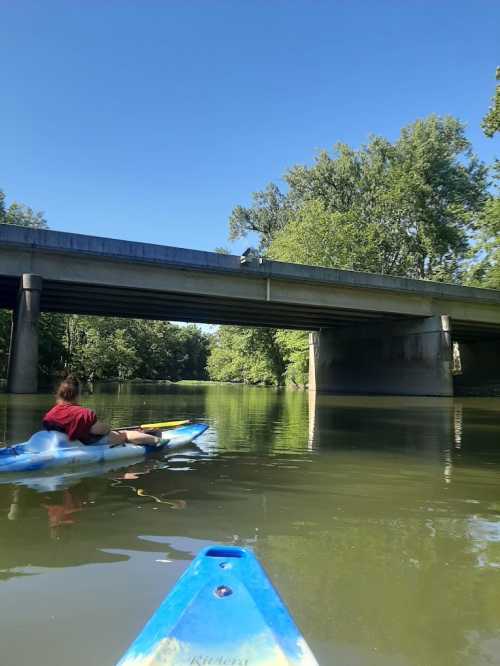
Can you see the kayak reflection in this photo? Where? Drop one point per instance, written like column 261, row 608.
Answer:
column 47, row 481
column 140, row 492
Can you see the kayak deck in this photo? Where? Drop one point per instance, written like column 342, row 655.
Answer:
column 223, row 610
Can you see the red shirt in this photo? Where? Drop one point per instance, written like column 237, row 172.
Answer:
column 74, row 420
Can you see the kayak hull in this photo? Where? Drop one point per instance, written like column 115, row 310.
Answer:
column 223, row 610
column 53, row 450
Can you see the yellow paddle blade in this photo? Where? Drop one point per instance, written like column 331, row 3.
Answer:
column 165, row 424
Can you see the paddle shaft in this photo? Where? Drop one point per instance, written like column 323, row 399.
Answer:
column 155, row 426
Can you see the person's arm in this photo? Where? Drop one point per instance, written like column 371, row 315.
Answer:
column 99, row 428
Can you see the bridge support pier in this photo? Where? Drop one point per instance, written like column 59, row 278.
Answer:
column 412, row 357
column 23, row 357
column 480, row 368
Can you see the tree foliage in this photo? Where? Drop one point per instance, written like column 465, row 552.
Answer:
column 109, row 347
column 268, row 214
column 250, row 355
column 294, row 348
column 318, row 237
column 491, row 121
column 484, row 268
column 412, row 203
column 20, row 215
column 97, row 348
column 407, row 207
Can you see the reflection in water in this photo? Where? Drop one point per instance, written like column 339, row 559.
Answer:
column 458, row 418
column 140, row 492
column 62, row 513
column 403, row 424
column 377, row 518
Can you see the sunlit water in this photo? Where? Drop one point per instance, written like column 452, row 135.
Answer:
column 378, row 520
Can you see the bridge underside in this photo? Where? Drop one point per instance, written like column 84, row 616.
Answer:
column 351, row 351
column 374, row 333
column 91, row 299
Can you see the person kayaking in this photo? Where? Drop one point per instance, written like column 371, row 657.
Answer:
column 81, row 423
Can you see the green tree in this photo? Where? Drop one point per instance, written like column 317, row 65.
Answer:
column 167, row 351
column 97, row 348
column 52, row 356
column 490, row 245
column 491, row 121
column 413, row 202
column 110, row 347
column 268, row 214
column 407, row 207
column 20, row 215
column 484, row 270
column 485, row 266
column 249, row 355
column 320, row 238
column 294, row 349
column 195, row 345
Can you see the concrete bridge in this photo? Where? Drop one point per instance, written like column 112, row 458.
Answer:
column 369, row 333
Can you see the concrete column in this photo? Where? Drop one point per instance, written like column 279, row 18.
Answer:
column 23, row 358
column 412, row 357
column 480, row 368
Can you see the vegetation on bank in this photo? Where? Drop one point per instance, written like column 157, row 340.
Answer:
column 97, row 348
column 422, row 206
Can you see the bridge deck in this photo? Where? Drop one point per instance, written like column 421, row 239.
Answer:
column 91, row 275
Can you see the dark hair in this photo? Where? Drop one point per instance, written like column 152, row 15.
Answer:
column 68, row 390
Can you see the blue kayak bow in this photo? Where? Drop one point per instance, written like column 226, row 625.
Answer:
column 223, row 610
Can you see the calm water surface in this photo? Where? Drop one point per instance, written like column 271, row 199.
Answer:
column 377, row 518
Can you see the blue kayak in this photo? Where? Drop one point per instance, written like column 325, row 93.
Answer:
column 223, row 610
column 50, row 450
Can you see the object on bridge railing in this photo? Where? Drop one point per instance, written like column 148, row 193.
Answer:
column 247, row 256
column 250, row 255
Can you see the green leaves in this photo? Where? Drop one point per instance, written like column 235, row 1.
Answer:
column 249, row 355
column 109, row 347
column 268, row 214
column 318, row 237
column 491, row 121
column 484, row 268
column 96, row 348
column 411, row 204
column 408, row 207
column 20, row 215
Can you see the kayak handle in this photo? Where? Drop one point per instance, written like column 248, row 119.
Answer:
column 229, row 551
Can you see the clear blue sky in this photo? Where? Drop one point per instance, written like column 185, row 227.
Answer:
column 150, row 120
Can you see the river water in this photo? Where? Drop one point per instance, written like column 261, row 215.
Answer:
column 378, row 519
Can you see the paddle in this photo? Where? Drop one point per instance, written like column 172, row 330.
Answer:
column 156, row 426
